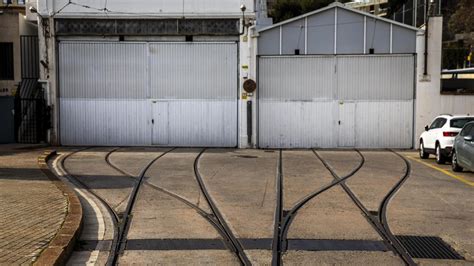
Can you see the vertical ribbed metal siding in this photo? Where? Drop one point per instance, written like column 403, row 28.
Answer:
column 103, row 70
column 105, row 122
column 375, row 77
column 296, row 78
column 384, row 124
column 193, row 70
column 297, row 124
column 381, row 89
column 105, row 93
column 211, row 123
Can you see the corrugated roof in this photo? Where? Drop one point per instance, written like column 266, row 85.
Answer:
column 342, row 6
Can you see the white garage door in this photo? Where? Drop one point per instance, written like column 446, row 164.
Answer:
column 170, row 94
column 336, row 101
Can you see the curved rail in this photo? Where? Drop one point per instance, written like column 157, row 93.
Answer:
column 210, row 218
column 382, row 211
column 238, row 249
column 293, row 211
column 110, row 210
column 377, row 224
column 125, row 223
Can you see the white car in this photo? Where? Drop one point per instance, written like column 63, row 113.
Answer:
column 438, row 138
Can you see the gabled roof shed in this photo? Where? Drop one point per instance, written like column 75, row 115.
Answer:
column 337, row 29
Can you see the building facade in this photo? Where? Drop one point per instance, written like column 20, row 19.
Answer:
column 10, row 52
column 153, row 73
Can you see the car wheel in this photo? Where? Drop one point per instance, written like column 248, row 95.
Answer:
column 440, row 159
column 423, row 154
column 454, row 163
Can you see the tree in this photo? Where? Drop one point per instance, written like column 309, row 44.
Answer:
column 286, row 9
column 462, row 21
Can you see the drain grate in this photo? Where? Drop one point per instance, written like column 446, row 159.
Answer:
column 428, row 247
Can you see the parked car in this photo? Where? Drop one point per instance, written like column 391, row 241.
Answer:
column 438, row 138
column 463, row 149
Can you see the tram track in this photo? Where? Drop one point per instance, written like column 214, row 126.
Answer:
column 121, row 222
column 215, row 218
column 379, row 222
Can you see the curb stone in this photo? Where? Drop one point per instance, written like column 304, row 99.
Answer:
column 62, row 245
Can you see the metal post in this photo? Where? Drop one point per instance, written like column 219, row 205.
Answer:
column 249, row 122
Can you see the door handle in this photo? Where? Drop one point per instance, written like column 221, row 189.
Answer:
column 153, row 121
column 339, row 122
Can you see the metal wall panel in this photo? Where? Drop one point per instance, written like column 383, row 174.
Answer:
column 296, row 78
column 211, row 123
column 384, row 124
column 378, row 36
column 317, row 33
column 321, row 33
column 375, row 77
column 403, row 41
column 106, row 91
column 102, row 70
column 366, row 103
column 350, row 32
column 105, row 122
column 297, row 124
column 193, row 70
column 294, row 33
column 269, row 42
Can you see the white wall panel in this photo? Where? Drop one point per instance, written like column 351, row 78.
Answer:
column 356, row 101
column 297, row 124
column 384, row 124
column 193, row 70
column 296, row 78
column 375, row 77
column 105, row 122
column 209, row 123
column 102, row 70
column 108, row 91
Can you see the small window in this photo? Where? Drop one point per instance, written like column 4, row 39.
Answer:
column 6, row 61
column 438, row 123
column 460, row 122
column 442, row 122
column 21, row 2
column 435, row 122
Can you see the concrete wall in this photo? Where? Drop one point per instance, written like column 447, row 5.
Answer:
column 145, row 8
column 429, row 101
column 10, row 32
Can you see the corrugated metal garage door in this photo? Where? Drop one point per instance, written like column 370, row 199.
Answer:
column 172, row 94
column 336, row 101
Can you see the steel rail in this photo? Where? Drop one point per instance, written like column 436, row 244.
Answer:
column 277, row 241
column 376, row 223
column 127, row 216
column 294, row 210
column 382, row 211
column 110, row 210
column 234, row 242
column 210, row 218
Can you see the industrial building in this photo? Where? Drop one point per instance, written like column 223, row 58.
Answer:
column 336, row 77
column 173, row 75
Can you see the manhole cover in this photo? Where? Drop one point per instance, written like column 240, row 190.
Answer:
column 428, row 247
